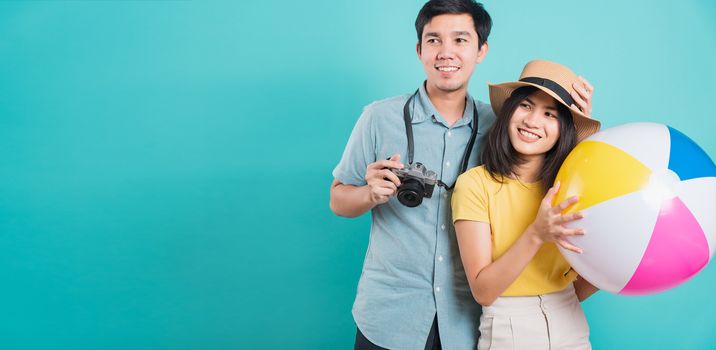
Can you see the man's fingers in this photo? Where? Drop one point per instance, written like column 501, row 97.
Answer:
column 388, row 175
column 381, row 199
column 384, row 191
column 385, row 163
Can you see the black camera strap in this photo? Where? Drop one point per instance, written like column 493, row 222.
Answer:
column 409, row 133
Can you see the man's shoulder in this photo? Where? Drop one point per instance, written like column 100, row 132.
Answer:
column 484, row 109
column 389, row 104
column 388, row 110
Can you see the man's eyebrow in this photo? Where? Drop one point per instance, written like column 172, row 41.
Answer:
column 460, row 33
column 432, row 34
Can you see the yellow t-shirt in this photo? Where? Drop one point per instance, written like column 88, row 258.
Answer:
column 509, row 208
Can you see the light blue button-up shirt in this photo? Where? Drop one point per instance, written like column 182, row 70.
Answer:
column 412, row 269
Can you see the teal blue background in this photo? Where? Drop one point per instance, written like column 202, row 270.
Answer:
column 165, row 165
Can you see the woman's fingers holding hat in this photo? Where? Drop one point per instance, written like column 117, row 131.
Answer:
column 582, row 95
column 583, row 88
column 583, row 102
column 587, row 85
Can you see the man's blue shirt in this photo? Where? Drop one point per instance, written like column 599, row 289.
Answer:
column 412, row 269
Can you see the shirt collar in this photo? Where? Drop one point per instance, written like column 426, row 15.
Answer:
column 425, row 110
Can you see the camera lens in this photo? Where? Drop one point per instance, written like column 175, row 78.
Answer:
column 410, row 193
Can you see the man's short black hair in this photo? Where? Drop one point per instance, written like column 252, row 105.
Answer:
column 432, row 8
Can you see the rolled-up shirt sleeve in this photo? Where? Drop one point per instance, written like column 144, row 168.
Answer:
column 359, row 152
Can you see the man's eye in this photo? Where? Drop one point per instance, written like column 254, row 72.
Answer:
column 461, row 40
column 432, row 41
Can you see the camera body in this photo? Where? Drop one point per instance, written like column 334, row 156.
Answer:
column 416, row 183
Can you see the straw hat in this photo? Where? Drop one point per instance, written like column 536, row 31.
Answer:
column 555, row 80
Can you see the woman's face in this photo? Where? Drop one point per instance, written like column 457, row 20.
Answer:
column 534, row 125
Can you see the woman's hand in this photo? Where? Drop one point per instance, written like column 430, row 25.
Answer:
column 548, row 226
column 582, row 95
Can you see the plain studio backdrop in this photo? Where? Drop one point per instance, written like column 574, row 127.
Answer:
column 165, row 165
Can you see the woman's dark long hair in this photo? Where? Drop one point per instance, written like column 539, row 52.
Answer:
column 501, row 159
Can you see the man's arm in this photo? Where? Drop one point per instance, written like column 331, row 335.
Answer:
column 352, row 201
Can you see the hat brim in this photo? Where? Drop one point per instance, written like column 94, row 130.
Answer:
column 584, row 125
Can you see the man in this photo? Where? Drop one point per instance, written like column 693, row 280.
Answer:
column 413, row 292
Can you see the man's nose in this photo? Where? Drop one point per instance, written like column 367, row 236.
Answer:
column 446, row 51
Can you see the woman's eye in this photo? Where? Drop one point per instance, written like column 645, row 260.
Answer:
column 525, row 106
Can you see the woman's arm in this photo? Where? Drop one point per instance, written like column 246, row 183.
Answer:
column 488, row 279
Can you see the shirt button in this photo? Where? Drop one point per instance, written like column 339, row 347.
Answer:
column 447, row 163
column 442, row 226
column 437, row 289
column 449, row 133
column 445, row 195
column 440, row 258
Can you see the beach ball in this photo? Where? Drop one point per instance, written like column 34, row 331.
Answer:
column 648, row 193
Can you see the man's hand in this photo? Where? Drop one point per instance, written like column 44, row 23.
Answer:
column 582, row 96
column 382, row 183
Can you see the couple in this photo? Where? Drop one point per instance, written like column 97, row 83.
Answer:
column 485, row 236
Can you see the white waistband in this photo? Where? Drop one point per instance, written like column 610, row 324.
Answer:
column 513, row 306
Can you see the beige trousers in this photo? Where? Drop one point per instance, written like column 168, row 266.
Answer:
column 551, row 321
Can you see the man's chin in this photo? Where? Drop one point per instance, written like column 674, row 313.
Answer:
column 446, row 85
column 450, row 87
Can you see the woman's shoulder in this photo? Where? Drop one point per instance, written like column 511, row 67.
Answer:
column 477, row 176
column 480, row 173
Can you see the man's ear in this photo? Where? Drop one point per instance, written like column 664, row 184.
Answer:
column 482, row 52
column 418, row 49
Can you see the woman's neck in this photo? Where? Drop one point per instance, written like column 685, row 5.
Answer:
column 529, row 171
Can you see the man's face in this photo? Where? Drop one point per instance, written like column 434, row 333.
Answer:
column 449, row 51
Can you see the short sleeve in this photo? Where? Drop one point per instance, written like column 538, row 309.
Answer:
column 359, row 152
column 469, row 198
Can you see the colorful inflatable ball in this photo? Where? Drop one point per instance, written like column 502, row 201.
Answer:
column 648, row 193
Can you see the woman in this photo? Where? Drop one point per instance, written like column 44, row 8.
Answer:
column 507, row 227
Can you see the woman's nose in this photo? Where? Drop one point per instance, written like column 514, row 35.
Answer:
column 532, row 119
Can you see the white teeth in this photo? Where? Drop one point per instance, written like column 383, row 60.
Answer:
column 447, row 69
column 529, row 134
